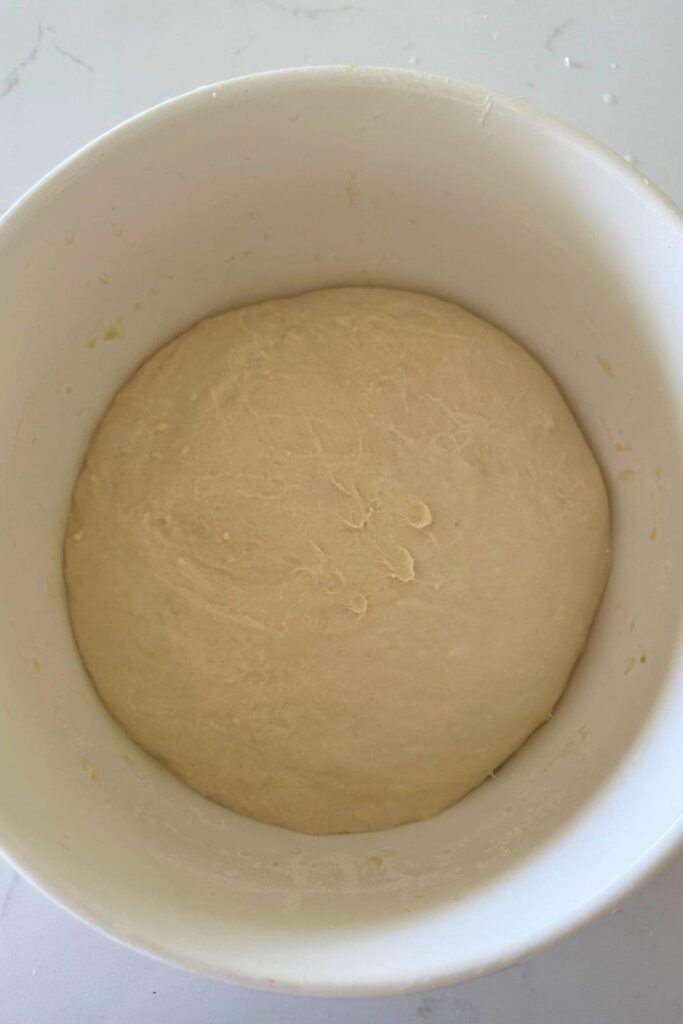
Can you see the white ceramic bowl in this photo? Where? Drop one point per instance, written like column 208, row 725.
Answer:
column 274, row 185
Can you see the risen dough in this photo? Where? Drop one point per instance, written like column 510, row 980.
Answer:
column 331, row 559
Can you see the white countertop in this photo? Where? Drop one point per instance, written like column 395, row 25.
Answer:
column 68, row 71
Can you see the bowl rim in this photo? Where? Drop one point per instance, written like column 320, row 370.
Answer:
column 656, row 856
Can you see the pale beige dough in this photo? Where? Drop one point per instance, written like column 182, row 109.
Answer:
column 332, row 558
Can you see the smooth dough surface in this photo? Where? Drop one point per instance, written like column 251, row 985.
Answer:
column 331, row 559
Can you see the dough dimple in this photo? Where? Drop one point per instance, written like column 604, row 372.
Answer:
column 332, row 558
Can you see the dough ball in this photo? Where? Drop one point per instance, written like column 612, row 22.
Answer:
column 331, row 559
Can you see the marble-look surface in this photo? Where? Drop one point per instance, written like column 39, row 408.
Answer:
column 70, row 70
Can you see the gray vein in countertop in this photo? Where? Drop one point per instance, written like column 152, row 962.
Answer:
column 310, row 12
column 13, row 79
column 238, row 52
column 554, row 34
column 8, row 894
column 67, row 54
